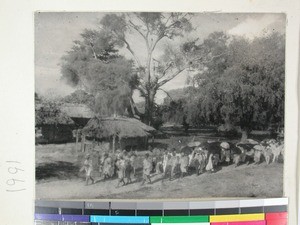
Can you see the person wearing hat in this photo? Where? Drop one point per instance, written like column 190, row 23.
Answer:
column 100, row 163
column 128, row 167
column 133, row 162
column 168, row 168
column 147, row 167
column 120, row 164
column 210, row 167
column 108, row 168
column 257, row 154
column 225, row 152
column 88, row 168
column 184, row 163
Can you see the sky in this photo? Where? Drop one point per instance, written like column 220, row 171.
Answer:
column 56, row 31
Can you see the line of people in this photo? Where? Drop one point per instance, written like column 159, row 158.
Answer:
column 178, row 163
column 122, row 163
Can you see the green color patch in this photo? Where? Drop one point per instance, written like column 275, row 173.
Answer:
column 179, row 219
column 155, row 219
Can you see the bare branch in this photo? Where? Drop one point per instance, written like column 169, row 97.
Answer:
column 157, row 40
column 166, row 93
column 128, row 47
column 141, row 89
column 132, row 52
column 94, row 53
column 215, row 56
column 168, row 20
column 164, row 73
column 161, row 83
column 135, row 27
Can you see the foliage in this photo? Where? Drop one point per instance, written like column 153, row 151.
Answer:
column 174, row 111
column 245, row 86
column 49, row 113
column 79, row 97
column 95, row 64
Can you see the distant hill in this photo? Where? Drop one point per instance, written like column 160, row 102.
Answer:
column 177, row 94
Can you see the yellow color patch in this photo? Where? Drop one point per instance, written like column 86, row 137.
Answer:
column 237, row 217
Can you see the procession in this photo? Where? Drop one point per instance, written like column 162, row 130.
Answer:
column 169, row 164
column 153, row 105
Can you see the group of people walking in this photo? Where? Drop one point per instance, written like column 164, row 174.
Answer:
column 175, row 163
column 121, row 163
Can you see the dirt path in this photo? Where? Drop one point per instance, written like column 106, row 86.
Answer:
column 245, row 181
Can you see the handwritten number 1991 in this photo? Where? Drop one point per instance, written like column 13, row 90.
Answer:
column 15, row 171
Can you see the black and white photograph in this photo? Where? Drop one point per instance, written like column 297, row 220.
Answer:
column 159, row 105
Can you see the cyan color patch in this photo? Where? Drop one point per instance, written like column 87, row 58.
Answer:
column 120, row 219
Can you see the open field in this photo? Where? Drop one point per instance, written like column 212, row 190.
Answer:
column 57, row 173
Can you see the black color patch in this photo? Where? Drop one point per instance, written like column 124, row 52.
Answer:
column 275, row 208
column 227, row 211
column 71, row 211
column 178, row 212
column 122, row 212
column 100, row 212
column 149, row 213
column 252, row 210
column 46, row 210
column 202, row 212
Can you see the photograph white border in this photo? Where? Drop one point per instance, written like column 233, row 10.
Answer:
column 17, row 87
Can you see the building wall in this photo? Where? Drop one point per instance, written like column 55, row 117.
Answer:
column 56, row 134
column 137, row 143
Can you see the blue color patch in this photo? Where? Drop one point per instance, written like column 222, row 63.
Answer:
column 120, row 219
column 48, row 217
column 76, row 218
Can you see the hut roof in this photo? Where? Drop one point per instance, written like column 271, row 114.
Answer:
column 77, row 111
column 50, row 115
column 123, row 127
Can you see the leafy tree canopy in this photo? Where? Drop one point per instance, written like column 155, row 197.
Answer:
column 244, row 86
column 95, row 63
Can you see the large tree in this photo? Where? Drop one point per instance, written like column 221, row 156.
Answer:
column 245, row 86
column 80, row 97
column 95, row 66
column 116, row 32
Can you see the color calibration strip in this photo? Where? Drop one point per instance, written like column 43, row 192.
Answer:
column 234, row 212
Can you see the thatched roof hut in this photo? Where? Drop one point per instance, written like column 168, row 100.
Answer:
column 118, row 128
column 79, row 113
column 77, row 110
column 122, row 127
column 49, row 114
column 54, row 125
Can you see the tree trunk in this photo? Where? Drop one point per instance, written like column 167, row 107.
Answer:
column 114, row 144
column 134, row 109
column 120, row 143
column 244, row 135
column 77, row 138
column 82, row 143
column 149, row 107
